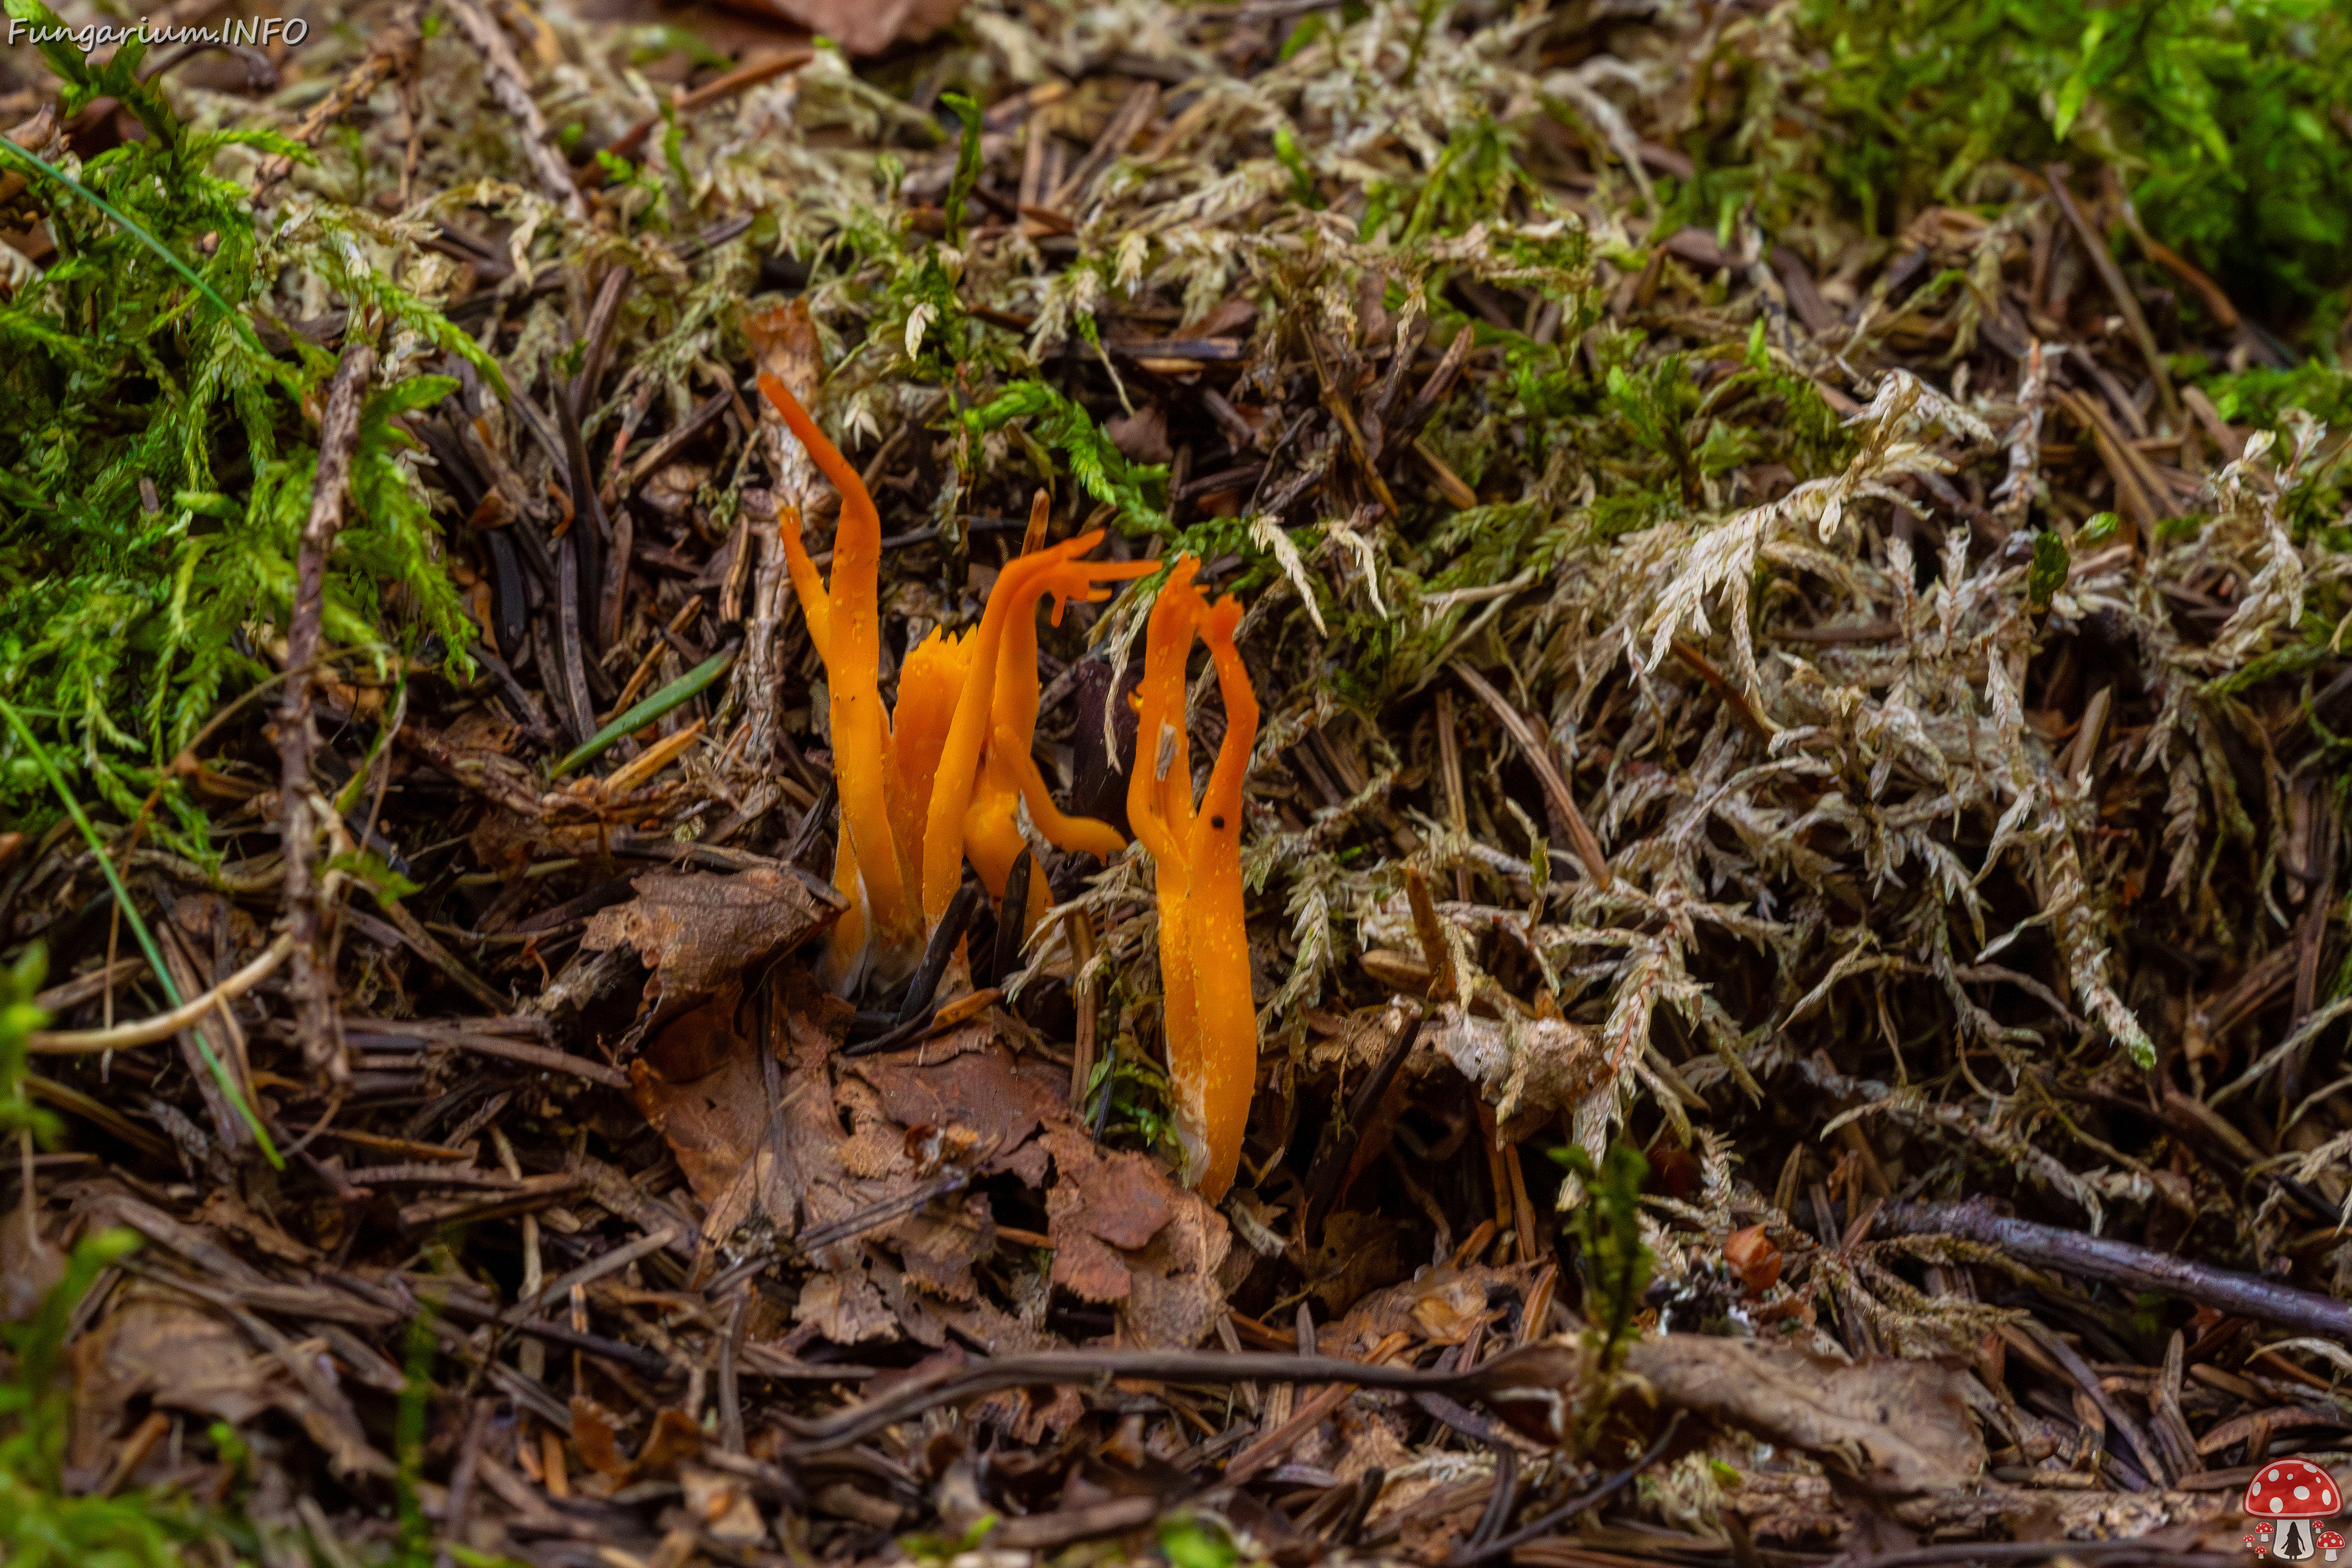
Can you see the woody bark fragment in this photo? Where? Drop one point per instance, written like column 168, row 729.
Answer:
column 304, row 814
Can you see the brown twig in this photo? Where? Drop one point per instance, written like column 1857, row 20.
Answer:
column 2139, row 495
column 949, row 1385
column 1085, row 997
column 1741, row 708
column 392, row 51
column 1580, row 834
column 547, row 1057
column 2079, row 1370
column 301, row 811
column 741, row 79
column 163, row 1025
column 512, row 90
column 460, row 1505
column 1127, row 122
column 1609, row 1486
column 2094, row 246
column 1449, row 766
column 2121, row 1263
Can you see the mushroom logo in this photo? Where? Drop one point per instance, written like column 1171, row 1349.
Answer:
column 2330, row 1542
column 2258, row 1541
column 2294, row 1496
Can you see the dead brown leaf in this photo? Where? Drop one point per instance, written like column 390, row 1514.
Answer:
column 969, row 1080
column 700, row 1084
column 699, row 933
column 1753, row 1257
column 1142, row 435
column 160, row 1347
column 1442, row 1305
column 1900, row 1426
column 1126, row 1237
column 1528, row 1069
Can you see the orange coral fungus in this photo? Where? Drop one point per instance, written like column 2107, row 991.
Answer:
column 911, row 784
column 1055, row 570
column 1204, row 966
column 1005, row 771
column 852, row 648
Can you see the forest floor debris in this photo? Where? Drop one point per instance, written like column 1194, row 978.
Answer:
column 1794, row 562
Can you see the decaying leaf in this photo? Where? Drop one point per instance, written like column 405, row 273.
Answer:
column 1901, row 1427
column 1753, row 1257
column 179, row 1355
column 699, row 1083
column 697, row 931
column 1528, row 1069
column 1126, row 1237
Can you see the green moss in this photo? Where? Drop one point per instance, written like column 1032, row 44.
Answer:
column 159, row 474
column 2219, row 120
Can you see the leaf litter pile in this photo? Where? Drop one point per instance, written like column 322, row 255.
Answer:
column 637, row 935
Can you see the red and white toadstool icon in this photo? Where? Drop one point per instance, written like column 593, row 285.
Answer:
column 2293, row 1495
column 2331, row 1542
column 2258, row 1541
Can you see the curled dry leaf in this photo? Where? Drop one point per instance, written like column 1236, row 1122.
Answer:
column 700, row 1084
column 1753, row 1257
column 162, row 1349
column 1528, row 1069
column 1900, row 1427
column 697, row 933
column 1443, row 1305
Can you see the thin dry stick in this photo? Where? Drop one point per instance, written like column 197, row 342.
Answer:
column 163, row 1025
column 460, row 1499
column 1449, row 764
column 952, row 1385
column 1588, row 846
column 529, row 1359
column 1080, row 927
column 2121, row 1263
column 392, row 51
column 2139, row 495
column 441, row 958
column 2094, row 245
column 1741, row 708
column 2066, row 1356
column 504, row 75
column 234, row 1076
column 1127, row 123
column 1274, row 1444
column 1608, row 1487
column 339, row 430
column 741, row 79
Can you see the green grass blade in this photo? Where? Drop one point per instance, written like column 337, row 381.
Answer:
column 678, row 691
column 139, row 929
column 50, row 171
